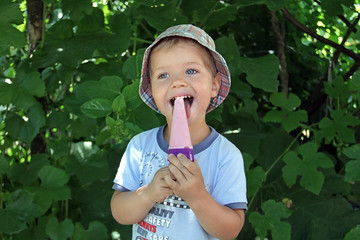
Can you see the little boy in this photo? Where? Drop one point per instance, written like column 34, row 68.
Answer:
column 169, row 197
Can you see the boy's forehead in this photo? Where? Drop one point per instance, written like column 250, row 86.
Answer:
column 186, row 52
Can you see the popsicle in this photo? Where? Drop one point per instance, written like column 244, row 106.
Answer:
column 180, row 141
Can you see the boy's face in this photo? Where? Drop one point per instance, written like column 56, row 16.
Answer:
column 183, row 70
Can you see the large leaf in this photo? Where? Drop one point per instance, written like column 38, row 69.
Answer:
column 20, row 209
column 271, row 220
column 313, row 220
column 27, row 173
column 10, row 36
column 352, row 168
column 254, row 177
column 93, row 169
column 28, row 79
column 77, row 9
column 353, row 234
column 96, row 230
column 4, row 165
column 154, row 15
column 59, row 230
column 52, row 177
column 307, row 167
column 26, row 128
column 266, row 79
column 120, row 40
column 339, row 127
column 96, row 108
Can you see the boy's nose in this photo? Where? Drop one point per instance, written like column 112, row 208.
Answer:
column 179, row 82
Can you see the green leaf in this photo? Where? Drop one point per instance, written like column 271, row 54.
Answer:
column 108, row 87
column 96, row 230
column 96, row 108
column 121, row 26
column 62, row 29
column 266, row 79
column 275, row 5
column 354, row 82
column 119, row 104
column 293, row 119
column 228, row 48
column 131, row 93
column 10, row 36
column 27, row 173
column 132, row 66
column 34, row 233
column 7, row 91
column 29, row 80
column 307, row 167
column 20, row 209
column 289, row 103
column 58, row 147
column 254, row 180
column 25, row 129
column 352, row 170
column 221, row 16
column 59, row 231
column 353, row 234
column 92, row 169
column 52, row 177
column 274, row 116
column 156, row 18
column 316, row 221
column 271, row 220
column 338, row 127
column 338, row 90
column 243, row 3
column 83, row 150
column 289, row 118
column 77, row 9
column 332, row 7
column 4, row 165
column 353, row 151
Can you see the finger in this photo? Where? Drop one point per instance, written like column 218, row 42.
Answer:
column 171, row 183
column 177, row 173
column 192, row 167
column 178, row 162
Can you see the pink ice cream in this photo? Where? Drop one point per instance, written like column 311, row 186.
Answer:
column 180, row 141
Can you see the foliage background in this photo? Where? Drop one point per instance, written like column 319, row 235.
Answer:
column 69, row 74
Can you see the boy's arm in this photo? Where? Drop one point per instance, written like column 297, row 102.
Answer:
column 218, row 220
column 132, row 206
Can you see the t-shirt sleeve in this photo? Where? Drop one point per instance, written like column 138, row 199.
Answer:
column 230, row 186
column 128, row 174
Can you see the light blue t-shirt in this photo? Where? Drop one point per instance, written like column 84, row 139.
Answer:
column 221, row 165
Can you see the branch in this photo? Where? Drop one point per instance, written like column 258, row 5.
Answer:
column 280, row 41
column 34, row 23
column 346, row 36
column 311, row 33
column 347, row 23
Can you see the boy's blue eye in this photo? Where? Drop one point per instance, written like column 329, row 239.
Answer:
column 163, row 75
column 191, row 71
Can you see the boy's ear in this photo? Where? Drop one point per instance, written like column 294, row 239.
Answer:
column 216, row 85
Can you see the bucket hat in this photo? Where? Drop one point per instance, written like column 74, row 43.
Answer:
column 199, row 35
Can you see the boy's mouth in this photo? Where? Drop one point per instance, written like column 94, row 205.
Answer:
column 188, row 100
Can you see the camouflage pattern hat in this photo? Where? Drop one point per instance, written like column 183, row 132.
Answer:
column 199, row 35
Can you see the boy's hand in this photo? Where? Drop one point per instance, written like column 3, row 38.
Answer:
column 189, row 183
column 158, row 189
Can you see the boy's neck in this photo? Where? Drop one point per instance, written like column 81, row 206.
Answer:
column 197, row 134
